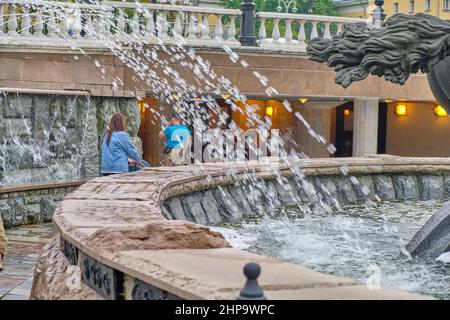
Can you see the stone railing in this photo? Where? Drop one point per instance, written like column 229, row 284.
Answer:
column 306, row 27
column 99, row 25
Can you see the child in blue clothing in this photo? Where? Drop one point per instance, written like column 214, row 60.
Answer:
column 177, row 139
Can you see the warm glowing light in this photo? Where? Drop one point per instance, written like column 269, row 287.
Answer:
column 439, row 111
column 176, row 109
column 401, row 109
column 303, row 100
column 269, row 111
column 225, row 96
column 176, row 97
column 346, row 112
column 388, row 101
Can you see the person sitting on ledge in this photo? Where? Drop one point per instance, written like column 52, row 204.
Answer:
column 2, row 243
column 117, row 147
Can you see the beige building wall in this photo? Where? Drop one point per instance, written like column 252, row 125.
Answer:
column 321, row 121
column 438, row 8
column 354, row 9
column 419, row 133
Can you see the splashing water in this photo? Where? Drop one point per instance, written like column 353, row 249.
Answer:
column 355, row 243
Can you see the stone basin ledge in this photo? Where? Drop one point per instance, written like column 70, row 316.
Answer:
column 118, row 238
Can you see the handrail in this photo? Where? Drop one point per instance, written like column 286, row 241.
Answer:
column 309, row 17
column 173, row 7
column 155, row 23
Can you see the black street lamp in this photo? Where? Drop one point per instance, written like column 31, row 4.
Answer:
column 247, row 35
column 310, row 6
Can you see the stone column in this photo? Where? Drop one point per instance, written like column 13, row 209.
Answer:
column 365, row 126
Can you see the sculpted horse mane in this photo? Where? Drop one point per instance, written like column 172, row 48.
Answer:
column 405, row 44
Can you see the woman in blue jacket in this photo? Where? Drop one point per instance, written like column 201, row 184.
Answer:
column 117, row 147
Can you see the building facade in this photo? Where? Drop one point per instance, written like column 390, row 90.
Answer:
column 353, row 8
column 437, row 8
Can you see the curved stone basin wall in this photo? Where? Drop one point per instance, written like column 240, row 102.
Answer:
column 232, row 202
column 116, row 243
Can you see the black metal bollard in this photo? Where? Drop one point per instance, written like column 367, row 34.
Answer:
column 251, row 289
column 247, row 35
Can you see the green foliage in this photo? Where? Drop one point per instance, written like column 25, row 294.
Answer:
column 320, row 7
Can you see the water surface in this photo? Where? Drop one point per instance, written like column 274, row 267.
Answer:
column 362, row 243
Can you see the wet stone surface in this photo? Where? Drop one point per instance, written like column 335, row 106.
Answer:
column 24, row 245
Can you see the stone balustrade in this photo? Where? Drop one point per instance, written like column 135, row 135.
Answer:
column 306, row 27
column 118, row 21
column 88, row 25
column 121, row 237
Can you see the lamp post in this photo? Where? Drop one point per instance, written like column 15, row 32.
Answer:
column 310, row 6
column 247, row 35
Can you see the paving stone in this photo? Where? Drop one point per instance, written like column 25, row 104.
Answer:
column 24, row 246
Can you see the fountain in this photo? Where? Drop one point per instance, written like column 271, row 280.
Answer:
column 405, row 44
column 111, row 229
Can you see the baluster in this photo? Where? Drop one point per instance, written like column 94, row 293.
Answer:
column 39, row 24
column 262, row 30
column 232, row 29
column 12, row 22
column 106, row 22
column 77, row 25
column 150, row 25
column 339, row 28
column 51, row 25
column 178, row 26
column 121, row 24
column 326, row 33
column 1, row 19
column 288, row 33
column 88, row 25
column 64, row 27
column 301, row 33
column 192, row 30
column 164, row 25
column 135, row 24
column 26, row 22
column 314, row 33
column 99, row 23
column 205, row 26
column 218, row 31
column 276, row 30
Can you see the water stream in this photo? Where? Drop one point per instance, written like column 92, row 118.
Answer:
column 361, row 243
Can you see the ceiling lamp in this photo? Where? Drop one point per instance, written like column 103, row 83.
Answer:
column 303, row 100
column 401, row 109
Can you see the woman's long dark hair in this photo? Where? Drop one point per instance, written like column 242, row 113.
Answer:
column 117, row 123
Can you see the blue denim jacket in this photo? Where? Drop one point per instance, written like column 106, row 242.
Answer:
column 115, row 156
